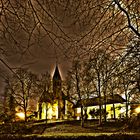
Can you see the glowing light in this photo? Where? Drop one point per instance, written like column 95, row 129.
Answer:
column 21, row 115
column 137, row 110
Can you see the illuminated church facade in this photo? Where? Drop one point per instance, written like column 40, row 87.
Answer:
column 54, row 104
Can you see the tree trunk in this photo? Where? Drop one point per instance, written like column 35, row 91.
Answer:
column 40, row 111
column 46, row 112
column 126, row 105
column 25, row 110
column 100, row 106
column 114, row 112
column 126, row 109
column 82, row 117
column 79, row 95
column 105, row 114
column 105, row 107
column 100, row 119
column 25, row 113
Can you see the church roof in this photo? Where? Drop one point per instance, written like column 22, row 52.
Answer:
column 45, row 97
column 57, row 74
column 95, row 101
column 48, row 97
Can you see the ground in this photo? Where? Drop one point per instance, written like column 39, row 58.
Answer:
column 72, row 130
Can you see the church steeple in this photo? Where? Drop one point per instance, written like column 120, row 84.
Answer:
column 57, row 83
column 56, row 75
column 57, row 92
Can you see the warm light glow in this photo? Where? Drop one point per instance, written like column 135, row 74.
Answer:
column 137, row 110
column 21, row 115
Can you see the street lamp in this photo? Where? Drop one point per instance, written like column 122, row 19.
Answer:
column 21, row 115
column 137, row 110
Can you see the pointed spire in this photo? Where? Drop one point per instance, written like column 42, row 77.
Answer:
column 56, row 73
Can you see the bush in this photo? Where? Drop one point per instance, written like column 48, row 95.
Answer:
column 14, row 128
column 96, row 113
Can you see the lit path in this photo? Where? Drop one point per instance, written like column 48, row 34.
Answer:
column 76, row 130
column 57, row 128
column 83, row 134
column 48, row 122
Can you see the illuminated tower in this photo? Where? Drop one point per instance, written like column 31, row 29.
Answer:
column 57, row 83
column 58, row 94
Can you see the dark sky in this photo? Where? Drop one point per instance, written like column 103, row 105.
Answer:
column 54, row 30
column 46, row 42
column 50, row 29
column 40, row 60
column 37, row 65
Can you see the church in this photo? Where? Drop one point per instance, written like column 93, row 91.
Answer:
column 54, row 104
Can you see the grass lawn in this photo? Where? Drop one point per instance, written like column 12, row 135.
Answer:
column 73, row 130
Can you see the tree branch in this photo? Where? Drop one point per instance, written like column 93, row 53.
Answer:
column 128, row 18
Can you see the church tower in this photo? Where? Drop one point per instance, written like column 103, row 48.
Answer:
column 51, row 104
column 57, row 83
column 58, row 94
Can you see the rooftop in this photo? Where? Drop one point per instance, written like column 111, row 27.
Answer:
column 96, row 101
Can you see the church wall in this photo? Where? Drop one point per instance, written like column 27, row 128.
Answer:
column 52, row 110
column 48, row 110
column 43, row 115
column 55, row 110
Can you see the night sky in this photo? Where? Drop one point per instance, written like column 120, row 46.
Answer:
column 36, row 39
column 39, row 60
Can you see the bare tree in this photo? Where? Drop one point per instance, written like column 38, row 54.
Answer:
column 99, row 68
column 66, row 25
column 23, row 89
column 112, row 86
column 131, row 10
column 75, row 86
column 129, row 72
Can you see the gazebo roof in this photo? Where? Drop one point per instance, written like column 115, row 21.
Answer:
column 96, row 101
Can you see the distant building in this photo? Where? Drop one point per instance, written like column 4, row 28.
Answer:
column 54, row 104
column 93, row 103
